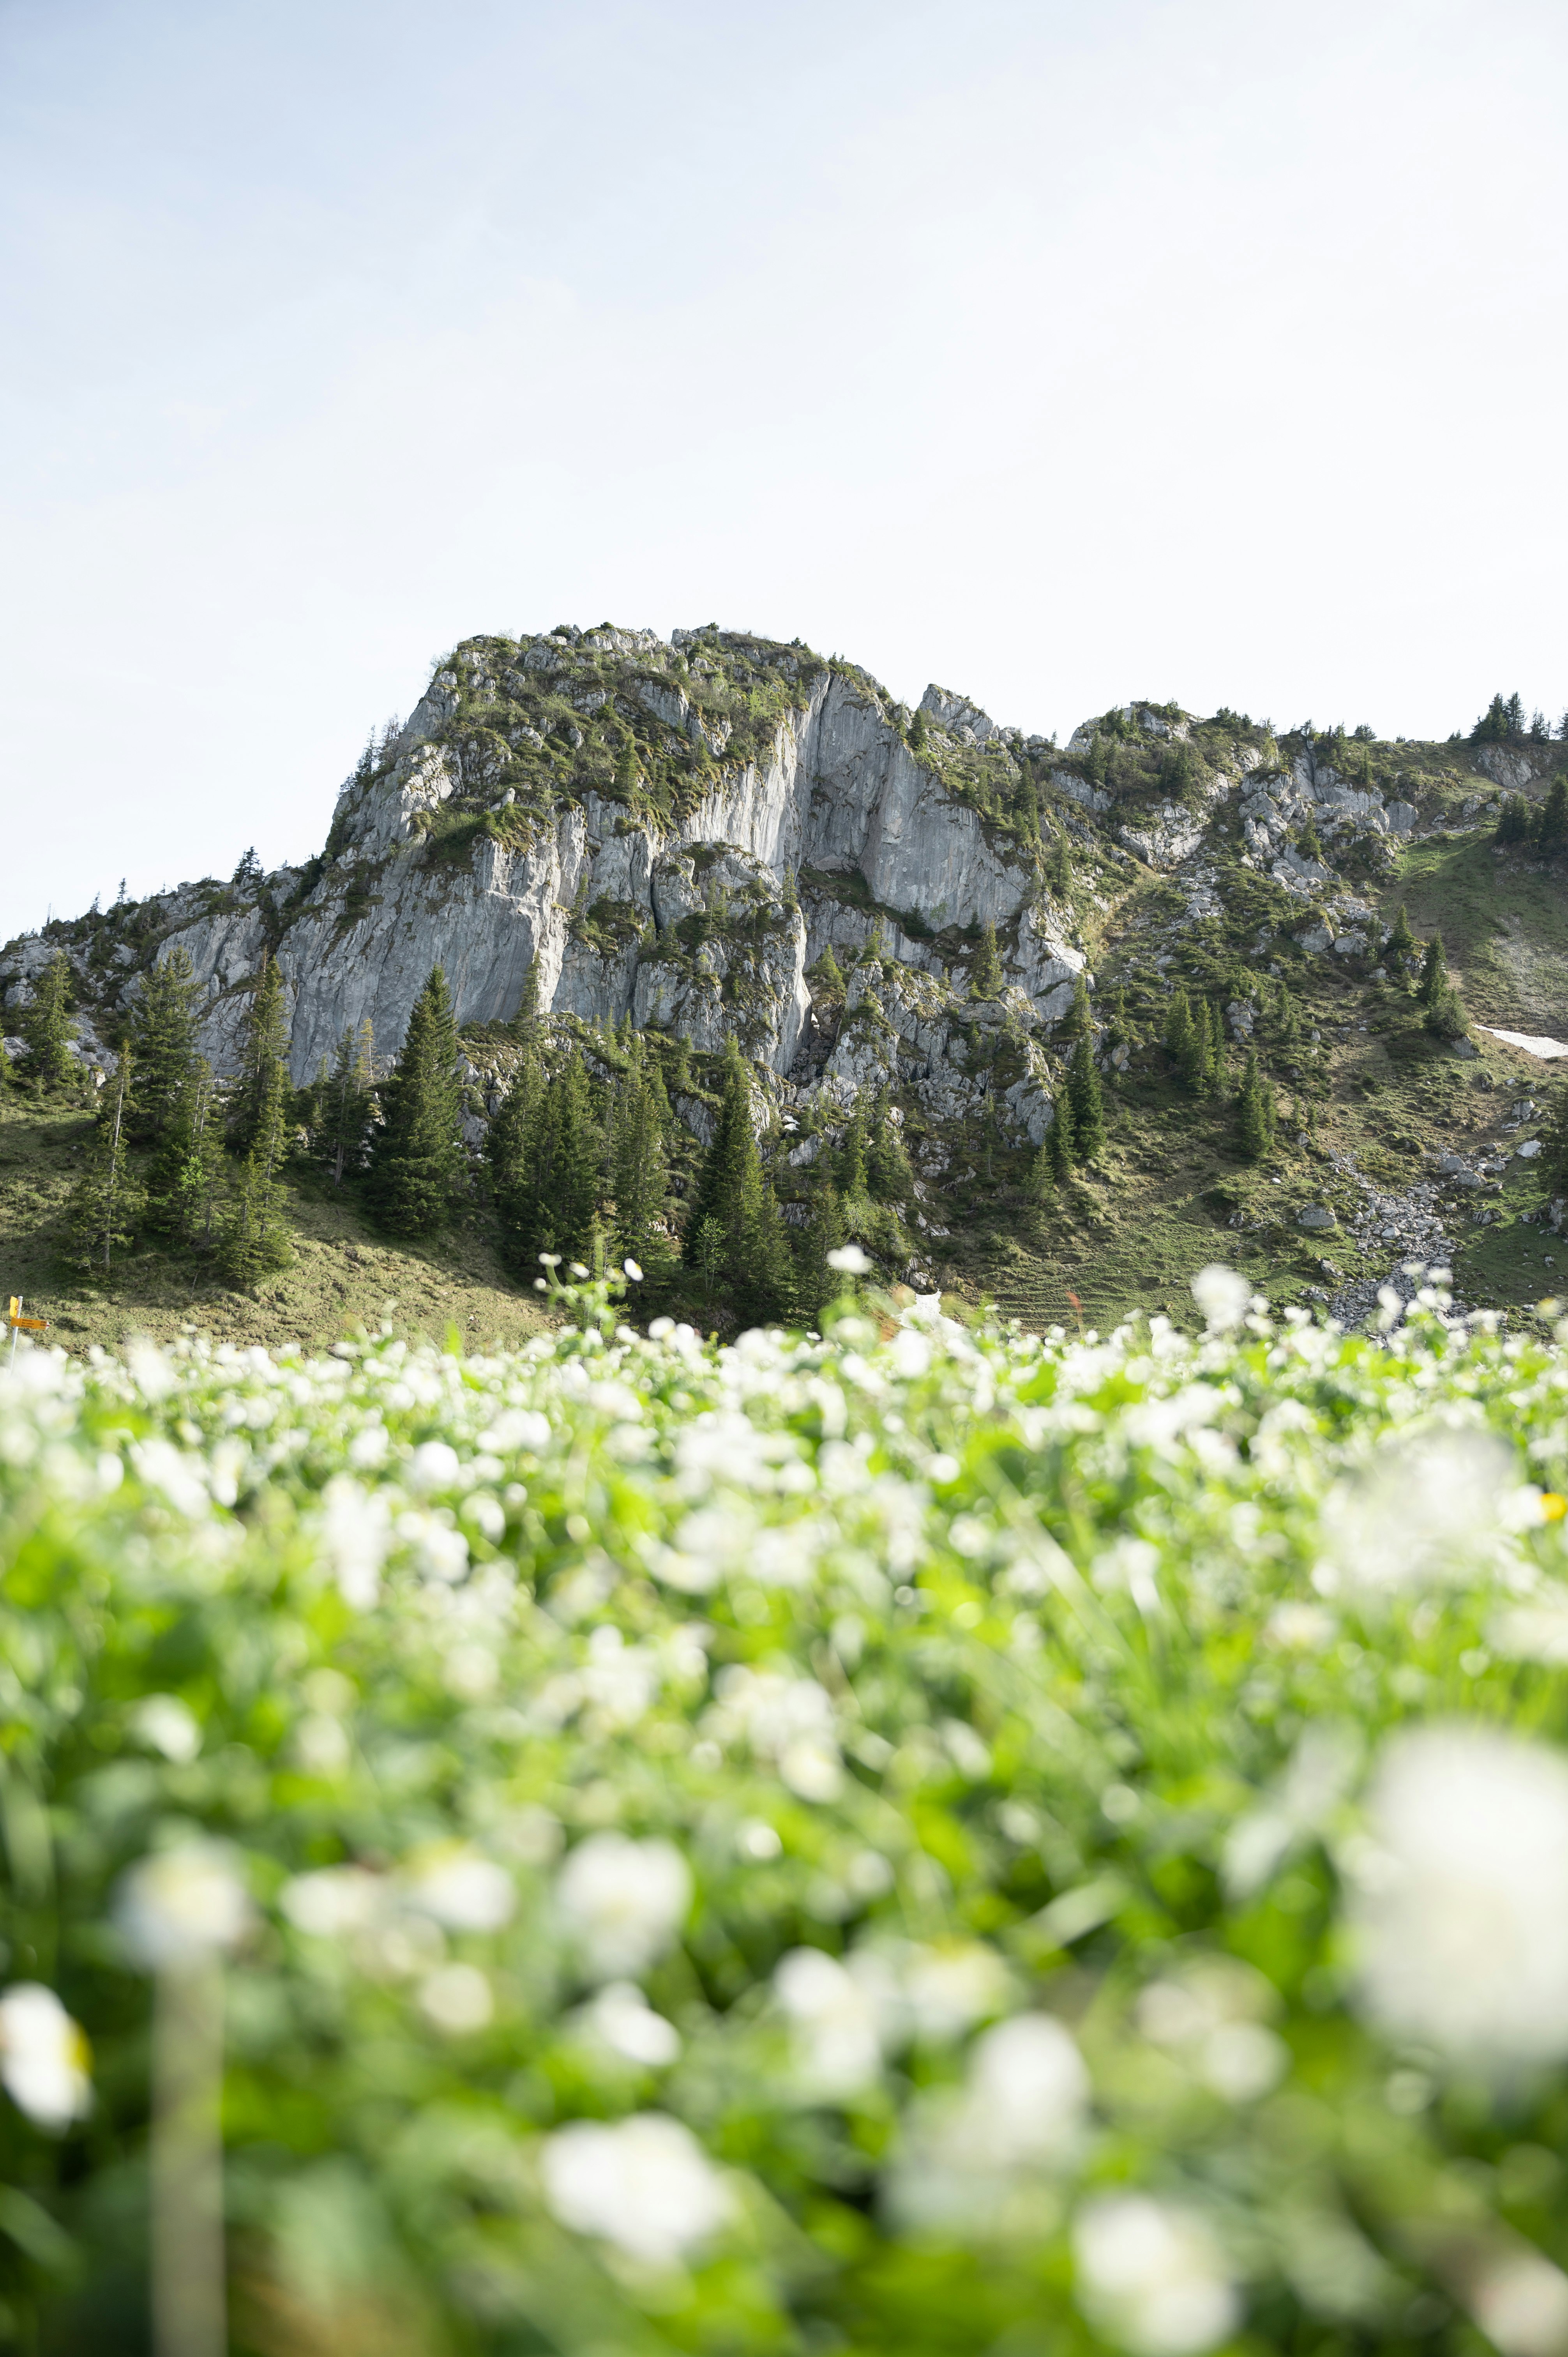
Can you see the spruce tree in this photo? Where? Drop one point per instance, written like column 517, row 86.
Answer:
column 849, row 1163
column 1433, row 972
column 1179, row 1033
column 638, row 1176
column 815, row 1283
column 263, row 1068
column 985, row 972
column 828, row 973
column 919, row 734
column 183, row 1180
column 525, row 1022
column 1552, row 826
column 253, row 1241
column 1212, row 1078
column 163, row 1035
column 626, row 769
column 546, row 1150
column 1445, row 1017
column 106, row 1201
column 1060, row 872
column 731, row 1192
column 1400, row 947
column 417, row 1162
column 1079, row 1024
column 345, row 1105
column 888, row 1173
column 1087, row 1109
column 1513, row 822
column 1253, row 1127
column 1028, row 812
column 1060, row 1141
column 46, row 1025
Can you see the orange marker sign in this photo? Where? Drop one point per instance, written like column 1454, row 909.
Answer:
column 20, row 1325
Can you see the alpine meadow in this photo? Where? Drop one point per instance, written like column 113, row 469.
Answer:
column 786, row 1571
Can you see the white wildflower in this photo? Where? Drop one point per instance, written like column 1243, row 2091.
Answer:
column 622, row 1902
column 460, row 1889
column 456, row 1999
column 180, row 1905
column 333, row 1900
column 849, row 1261
column 1223, row 1296
column 949, row 1989
column 43, row 2057
column 1459, row 1908
column 1151, row 2277
column 1428, row 1510
column 356, row 1532
column 1024, row 2107
column 836, row 2017
column 644, row 2184
column 621, row 2018
column 164, row 1722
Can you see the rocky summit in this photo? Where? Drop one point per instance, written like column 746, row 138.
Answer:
column 720, row 837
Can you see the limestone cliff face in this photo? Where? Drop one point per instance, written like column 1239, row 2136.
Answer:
column 701, row 922
column 677, row 830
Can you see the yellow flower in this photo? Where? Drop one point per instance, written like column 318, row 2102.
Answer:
column 1553, row 1506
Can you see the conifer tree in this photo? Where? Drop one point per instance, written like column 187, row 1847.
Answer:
column 828, row 973
column 1179, row 1033
column 1028, row 812
column 1445, row 1017
column 985, row 972
column 106, row 1201
column 1400, row 947
column 1552, row 826
column 1060, row 1141
column 525, row 1023
column 46, row 1025
column 1079, row 1024
column 1254, row 1113
column 263, row 1069
column 888, row 1173
column 1097, row 767
column 1513, row 822
column 919, row 734
column 849, row 1168
column 639, row 1175
column 254, row 1240
column 1042, row 1174
column 626, row 769
column 1212, row 1077
column 1060, row 871
column 1434, row 970
column 163, row 1035
column 1088, row 1108
column 731, row 1191
column 346, row 1103
column 183, row 1181
column 417, row 1162
column 815, row 1283
column 546, row 1150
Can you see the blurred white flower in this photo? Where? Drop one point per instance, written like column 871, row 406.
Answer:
column 1223, row 1296
column 333, row 1900
column 836, row 2017
column 1536, row 1632
column 356, row 1534
column 787, row 1719
column 435, row 1465
column 43, row 2057
column 620, row 1680
column 849, row 1261
column 1518, row 2298
column 644, row 2184
column 1458, row 1906
column 1151, row 2277
column 462, row 1890
column 1212, row 2014
column 632, row 1270
column 164, row 1722
column 1300, row 1628
column 1024, row 2107
column 949, row 1989
column 622, row 1902
column 180, row 1905
column 621, row 2018
column 456, row 1999
column 1429, row 1509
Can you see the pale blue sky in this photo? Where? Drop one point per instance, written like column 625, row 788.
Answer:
column 1211, row 350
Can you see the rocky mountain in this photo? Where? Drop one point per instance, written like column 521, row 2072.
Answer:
column 676, row 833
